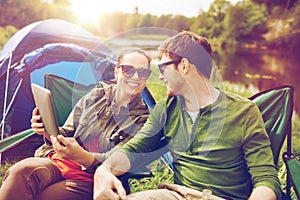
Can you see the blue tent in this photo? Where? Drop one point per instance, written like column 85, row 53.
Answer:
column 50, row 46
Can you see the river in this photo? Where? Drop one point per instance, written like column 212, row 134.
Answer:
column 261, row 69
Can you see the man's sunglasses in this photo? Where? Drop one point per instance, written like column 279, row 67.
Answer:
column 128, row 72
column 162, row 66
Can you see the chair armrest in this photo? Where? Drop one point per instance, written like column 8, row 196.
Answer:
column 13, row 140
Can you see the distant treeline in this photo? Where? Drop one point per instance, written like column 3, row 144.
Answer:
column 251, row 23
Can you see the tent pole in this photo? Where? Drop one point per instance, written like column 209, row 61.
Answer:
column 5, row 100
column 11, row 102
column 5, row 96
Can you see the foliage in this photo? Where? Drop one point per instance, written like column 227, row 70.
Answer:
column 239, row 89
column 203, row 24
column 270, row 4
column 295, row 22
column 246, row 22
column 161, row 173
column 21, row 13
column 6, row 33
column 210, row 23
column 218, row 9
column 3, row 169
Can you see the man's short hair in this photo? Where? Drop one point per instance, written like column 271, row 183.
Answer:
column 195, row 48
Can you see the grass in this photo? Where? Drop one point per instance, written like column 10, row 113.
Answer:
column 161, row 173
column 3, row 169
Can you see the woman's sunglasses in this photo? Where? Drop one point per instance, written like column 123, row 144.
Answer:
column 128, row 72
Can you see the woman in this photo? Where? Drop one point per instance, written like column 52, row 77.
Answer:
column 100, row 122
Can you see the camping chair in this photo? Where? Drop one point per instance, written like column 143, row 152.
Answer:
column 276, row 106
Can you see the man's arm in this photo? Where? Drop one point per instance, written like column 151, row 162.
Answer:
column 262, row 193
column 106, row 184
column 259, row 158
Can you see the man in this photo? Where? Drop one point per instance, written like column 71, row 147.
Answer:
column 217, row 139
column 106, row 117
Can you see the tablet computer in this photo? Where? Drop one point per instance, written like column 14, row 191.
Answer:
column 43, row 100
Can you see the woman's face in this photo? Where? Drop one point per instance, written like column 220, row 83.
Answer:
column 130, row 81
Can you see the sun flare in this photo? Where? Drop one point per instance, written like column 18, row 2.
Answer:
column 88, row 11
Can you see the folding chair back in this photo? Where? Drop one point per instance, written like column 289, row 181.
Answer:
column 276, row 107
column 65, row 94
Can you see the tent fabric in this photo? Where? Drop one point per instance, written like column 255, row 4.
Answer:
column 52, row 46
column 62, row 52
column 52, row 53
column 38, row 34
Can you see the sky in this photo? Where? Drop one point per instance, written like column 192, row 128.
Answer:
column 189, row 8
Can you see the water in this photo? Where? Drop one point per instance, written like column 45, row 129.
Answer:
column 261, row 69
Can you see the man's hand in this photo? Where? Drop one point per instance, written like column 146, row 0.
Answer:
column 107, row 186
column 263, row 193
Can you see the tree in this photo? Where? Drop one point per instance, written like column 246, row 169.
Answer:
column 271, row 4
column 132, row 21
column 163, row 20
column 246, row 22
column 182, row 23
column 146, row 21
column 202, row 24
column 6, row 33
column 21, row 13
column 210, row 23
column 218, row 9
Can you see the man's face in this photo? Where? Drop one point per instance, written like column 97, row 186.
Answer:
column 171, row 76
column 128, row 78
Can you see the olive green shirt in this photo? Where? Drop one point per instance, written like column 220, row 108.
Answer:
column 226, row 149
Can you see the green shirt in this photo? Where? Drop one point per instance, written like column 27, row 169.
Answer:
column 226, row 149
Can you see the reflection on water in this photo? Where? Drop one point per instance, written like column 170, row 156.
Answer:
column 261, row 69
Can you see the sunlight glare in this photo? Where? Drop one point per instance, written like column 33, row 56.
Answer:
column 88, row 11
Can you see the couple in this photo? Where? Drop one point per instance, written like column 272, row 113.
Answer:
column 217, row 139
